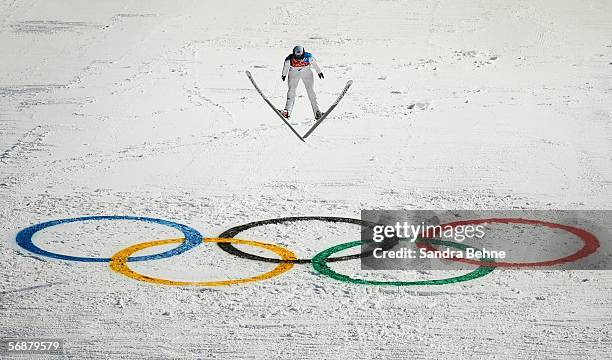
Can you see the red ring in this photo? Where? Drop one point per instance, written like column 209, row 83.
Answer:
column 591, row 243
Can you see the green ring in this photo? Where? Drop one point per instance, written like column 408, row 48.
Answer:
column 319, row 262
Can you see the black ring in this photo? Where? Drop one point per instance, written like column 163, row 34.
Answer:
column 230, row 233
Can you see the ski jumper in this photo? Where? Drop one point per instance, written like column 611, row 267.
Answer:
column 296, row 69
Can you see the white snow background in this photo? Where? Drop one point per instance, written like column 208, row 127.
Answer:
column 143, row 108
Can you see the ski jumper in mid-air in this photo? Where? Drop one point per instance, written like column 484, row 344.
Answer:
column 297, row 66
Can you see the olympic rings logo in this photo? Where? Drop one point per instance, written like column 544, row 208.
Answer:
column 286, row 259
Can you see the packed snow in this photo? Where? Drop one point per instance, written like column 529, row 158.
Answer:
column 143, row 109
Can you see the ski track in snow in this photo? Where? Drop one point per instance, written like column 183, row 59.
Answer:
column 144, row 109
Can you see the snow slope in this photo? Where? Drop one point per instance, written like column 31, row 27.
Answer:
column 143, row 108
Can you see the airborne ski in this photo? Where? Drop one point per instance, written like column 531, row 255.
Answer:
column 332, row 107
column 248, row 73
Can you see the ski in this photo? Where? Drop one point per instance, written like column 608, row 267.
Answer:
column 248, row 73
column 332, row 107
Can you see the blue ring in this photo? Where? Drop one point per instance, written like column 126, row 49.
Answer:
column 192, row 238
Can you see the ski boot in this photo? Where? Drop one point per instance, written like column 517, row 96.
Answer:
column 285, row 113
column 318, row 115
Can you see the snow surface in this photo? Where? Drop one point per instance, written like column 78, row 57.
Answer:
column 143, row 108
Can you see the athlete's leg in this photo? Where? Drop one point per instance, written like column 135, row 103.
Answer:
column 308, row 79
column 293, row 79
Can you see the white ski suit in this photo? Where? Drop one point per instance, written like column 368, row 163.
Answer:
column 295, row 69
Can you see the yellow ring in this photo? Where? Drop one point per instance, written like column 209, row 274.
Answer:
column 119, row 264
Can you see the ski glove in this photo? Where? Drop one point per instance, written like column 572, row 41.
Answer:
column 321, row 76
column 283, row 77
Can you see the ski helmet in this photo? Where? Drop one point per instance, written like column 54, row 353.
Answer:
column 298, row 52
